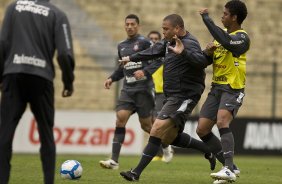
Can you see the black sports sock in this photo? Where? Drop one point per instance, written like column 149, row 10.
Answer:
column 184, row 140
column 149, row 152
column 215, row 146
column 117, row 142
column 227, row 142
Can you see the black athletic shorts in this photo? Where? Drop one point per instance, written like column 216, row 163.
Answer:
column 159, row 102
column 222, row 97
column 141, row 102
column 178, row 109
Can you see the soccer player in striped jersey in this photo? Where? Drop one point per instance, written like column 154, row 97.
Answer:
column 228, row 57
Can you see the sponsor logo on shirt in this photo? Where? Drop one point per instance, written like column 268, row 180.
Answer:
column 30, row 6
column 133, row 65
column 220, row 50
column 220, row 78
column 29, row 60
column 238, row 42
column 219, row 66
column 133, row 79
column 130, row 68
column 136, row 46
column 216, row 57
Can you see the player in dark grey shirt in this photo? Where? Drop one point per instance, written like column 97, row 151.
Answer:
column 127, row 47
column 136, row 94
column 184, row 76
column 31, row 32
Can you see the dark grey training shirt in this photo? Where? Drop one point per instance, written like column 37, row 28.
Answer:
column 127, row 48
column 184, row 73
column 31, row 32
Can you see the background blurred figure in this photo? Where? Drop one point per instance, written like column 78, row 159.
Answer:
column 165, row 154
column 136, row 94
column 31, row 32
column 228, row 56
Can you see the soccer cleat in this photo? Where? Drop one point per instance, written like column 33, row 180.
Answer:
column 129, row 175
column 109, row 164
column 212, row 160
column 236, row 170
column 167, row 154
column 224, row 174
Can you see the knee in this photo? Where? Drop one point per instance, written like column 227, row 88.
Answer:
column 221, row 123
column 120, row 122
column 201, row 132
column 146, row 124
column 156, row 129
column 204, row 127
column 167, row 140
column 224, row 118
column 146, row 128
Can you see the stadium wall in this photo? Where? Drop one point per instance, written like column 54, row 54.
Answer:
column 264, row 77
column 92, row 133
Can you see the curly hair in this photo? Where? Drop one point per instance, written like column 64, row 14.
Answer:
column 237, row 7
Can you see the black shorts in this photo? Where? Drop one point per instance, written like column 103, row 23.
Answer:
column 159, row 102
column 178, row 109
column 222, row 97
column 141, row 102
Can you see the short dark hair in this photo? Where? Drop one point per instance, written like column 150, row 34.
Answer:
column 132, row 16
column 237, row 7
column 155, row 32
column 175, row 20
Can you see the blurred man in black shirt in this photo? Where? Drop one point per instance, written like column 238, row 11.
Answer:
column 31, row 32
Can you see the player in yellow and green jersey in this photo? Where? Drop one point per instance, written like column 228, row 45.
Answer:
column 227, row 54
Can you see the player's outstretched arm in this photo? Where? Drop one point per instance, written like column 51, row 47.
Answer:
column 108, row 83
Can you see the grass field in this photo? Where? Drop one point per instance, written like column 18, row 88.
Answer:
column 184, row 169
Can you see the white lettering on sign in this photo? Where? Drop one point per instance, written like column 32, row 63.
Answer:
column 263, row 136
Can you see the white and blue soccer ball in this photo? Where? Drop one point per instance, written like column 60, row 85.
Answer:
column 71, row 169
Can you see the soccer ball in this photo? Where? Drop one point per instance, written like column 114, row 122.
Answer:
column 71, row 169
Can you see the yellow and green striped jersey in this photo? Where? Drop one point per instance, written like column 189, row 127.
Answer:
column 228, row 69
